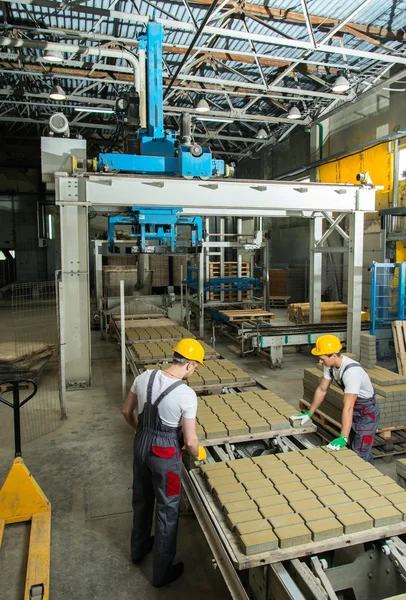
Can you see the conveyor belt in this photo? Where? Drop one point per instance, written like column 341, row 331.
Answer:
column 279, row 330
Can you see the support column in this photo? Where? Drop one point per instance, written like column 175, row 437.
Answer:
column 316, row 232
column 239, row 255
column 76, row 295
column 355, row 254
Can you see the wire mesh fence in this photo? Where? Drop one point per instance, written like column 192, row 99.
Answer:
column 33, row 353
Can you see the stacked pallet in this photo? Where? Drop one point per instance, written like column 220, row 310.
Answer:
column 390, row 393
column 330, row 311
column 228, row 415
column 295, row 498
column 399, row 340
column 401, row 472
column 155, row 351
column 230, row 270
column 368, row 351
column 215, row 373
column 159, row 265
column 112, row 275
column 177, row 262
column 121, row 259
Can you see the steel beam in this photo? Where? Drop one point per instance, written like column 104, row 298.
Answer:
column 355, row 256
column 316, row 261
column 220, row 197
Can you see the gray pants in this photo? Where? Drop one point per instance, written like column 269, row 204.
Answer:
column 364, row 426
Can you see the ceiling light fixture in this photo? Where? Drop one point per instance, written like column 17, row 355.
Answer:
column 215, row 119
column 262, row 134
column 202, row 105
column 294, row 113
column 57, row 93
column 341, row 84
column 53, row 56
column 94, row 109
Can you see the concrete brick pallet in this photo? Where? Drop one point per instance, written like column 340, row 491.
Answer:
column 287, row 500
column 141, row 334
column 156, row 351
column 391, row 396
column 243, row 413
column 215, row 374
column 401, row 471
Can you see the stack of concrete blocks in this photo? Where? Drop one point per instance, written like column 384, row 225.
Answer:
column 401, row 472
column 215, row 373
column 368, row 350
column 390, row 393
column 228, row 415
column 139, row 334
column 294, row 498
column 152, row 351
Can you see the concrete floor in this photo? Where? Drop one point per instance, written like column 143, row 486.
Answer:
column 87, row 460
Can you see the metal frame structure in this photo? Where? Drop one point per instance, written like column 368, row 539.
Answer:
column 76, row 194
column 243, row 83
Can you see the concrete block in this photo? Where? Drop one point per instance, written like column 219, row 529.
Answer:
column 328, row 490
column 279, row 509
column 343, row 478
column 220, row 480
column 234, row 519
column 361, row 494
column 402, row 509
column 230, row 488
column 253, row 526
column 324, row 529
column 374, row 502
column 297, row 496
column 252, row 484
column 285, row 520
column 320, row 482
column 262, row 541
column 245, row 465
column 293, row 535
column 346, row 508
column 368, row 474
column 357, row 484
column 234, row 497
column 238, row 505
column 243, row 477
column 355, row 522
column 385, row 516
column 314, row 515
column 273, row 500
column 211, row 467
column 385, row 490
column 334, row 499
column 310, row 473
column 399, row 498
column 290, row 487
column 286, row 477
column 302, row 505
column 262, row 492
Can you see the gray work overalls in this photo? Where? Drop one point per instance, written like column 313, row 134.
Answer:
column 157, row 476
column 365, row 419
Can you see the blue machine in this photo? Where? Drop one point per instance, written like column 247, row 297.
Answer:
column 221, row 284
column 155, row 229
column 159, row 154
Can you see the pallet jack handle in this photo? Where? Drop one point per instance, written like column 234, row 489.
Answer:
column 16, row 406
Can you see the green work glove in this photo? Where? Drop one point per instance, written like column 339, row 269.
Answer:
column 338, row 443
column 302, row 417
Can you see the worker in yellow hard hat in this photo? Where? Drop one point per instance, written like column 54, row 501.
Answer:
column 360, row 416
column 162, row 409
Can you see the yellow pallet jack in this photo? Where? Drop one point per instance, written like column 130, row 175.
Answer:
column 21, row 499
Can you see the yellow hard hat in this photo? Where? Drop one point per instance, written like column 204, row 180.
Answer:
column 327, row 344
column 190, row 349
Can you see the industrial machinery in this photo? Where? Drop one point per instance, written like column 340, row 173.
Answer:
column 159, row 151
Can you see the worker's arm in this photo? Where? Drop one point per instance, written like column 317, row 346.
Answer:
column 190, row 436
column 129, row 409
column 348, row 409
column 320, row 394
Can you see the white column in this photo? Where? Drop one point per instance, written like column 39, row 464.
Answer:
column 76, row 295
column 201, row 294
column 316, row 232
column 355, row 255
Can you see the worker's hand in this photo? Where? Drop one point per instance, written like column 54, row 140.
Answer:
column 302, row 417
column 202, row 454
column 338, row 443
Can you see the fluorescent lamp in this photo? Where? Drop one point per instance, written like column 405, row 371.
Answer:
column 202, row 106
column 50, row 227
column 262, row 134
column 294, row 113
column 94, row 109
column 215, row 119
column 341, row 84
column 53, row 56
column 389, row 89
column 57, row 93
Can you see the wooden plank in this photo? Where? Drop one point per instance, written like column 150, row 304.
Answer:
column 261, row 435
column 399, row 331
column 241, row 561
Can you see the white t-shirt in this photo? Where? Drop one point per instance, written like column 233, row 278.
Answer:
column 355, row 379
column 181, row 402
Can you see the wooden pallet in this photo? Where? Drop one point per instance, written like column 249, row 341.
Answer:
column 279, row 301
column 241, row 561
column 230, row 269
column 247, row 315
column 399, row 339
column 230, row 296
